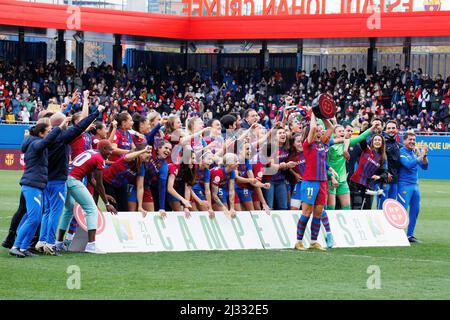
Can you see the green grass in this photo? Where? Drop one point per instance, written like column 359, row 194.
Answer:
column 419, row 272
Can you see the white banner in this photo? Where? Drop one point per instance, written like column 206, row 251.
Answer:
column 130, row 232
column 365, row 228
column 279, row 230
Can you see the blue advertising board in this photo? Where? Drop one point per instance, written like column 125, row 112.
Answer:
column 12, row 135
column 438, row 156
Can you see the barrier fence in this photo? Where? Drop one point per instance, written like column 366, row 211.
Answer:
column 431, row 63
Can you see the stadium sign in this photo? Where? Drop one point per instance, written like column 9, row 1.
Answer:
column 216, row 8
column 130, row 232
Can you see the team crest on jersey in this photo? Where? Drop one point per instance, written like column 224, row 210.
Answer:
column 404, row 192
column 309, row 198
column 9, row 159
column 217, row 179
column 260, row 174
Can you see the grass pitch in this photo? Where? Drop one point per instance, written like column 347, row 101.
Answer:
column 419, row 272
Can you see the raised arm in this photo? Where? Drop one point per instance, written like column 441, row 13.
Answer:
column 187, row 139
column 51, row 137
column 151, row 135
column 133, row 155
column 113, row 131
column 252, row 180
column 313, row 129
column 423, row 162
column 361, row 137
column 85, row 110
column 329, row 126
column 70, row 134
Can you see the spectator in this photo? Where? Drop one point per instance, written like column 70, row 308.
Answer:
column 25, row 115
column 435, row 99
column 389, row 94
column 250, row 117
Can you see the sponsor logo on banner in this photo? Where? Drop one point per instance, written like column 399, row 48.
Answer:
column 432, row 5
column 9, row 159
column 123, row 230
column 395, row 213
column 80, row 216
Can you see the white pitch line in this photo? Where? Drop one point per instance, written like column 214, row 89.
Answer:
column 391, row 258
column 376, row 257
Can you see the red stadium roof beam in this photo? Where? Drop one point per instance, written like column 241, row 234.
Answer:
column 393, row 24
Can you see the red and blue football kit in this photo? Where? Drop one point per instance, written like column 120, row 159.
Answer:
column 215, row 142
column 258, row 173
column 81, row 144
column 282, row 156
column 299, row 159
column 201, row 177
column 369, row 163
column 121, row 172
column 198, row 144
column 314, row 189
column 156, row 173
column 178, row 184
column 221, row 179
column 85, row 164
column 244, row 191
column 95, row 142
column 124, row 141
column 138, row 140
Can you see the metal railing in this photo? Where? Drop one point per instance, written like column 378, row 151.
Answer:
column 421, row 133
column 431, row 63
column 31, row 123
column 153, row 6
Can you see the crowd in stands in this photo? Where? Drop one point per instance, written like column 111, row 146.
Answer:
column 413, row 99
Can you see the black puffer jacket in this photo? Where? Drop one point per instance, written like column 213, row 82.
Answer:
column 36, row 159
column 393, row 156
